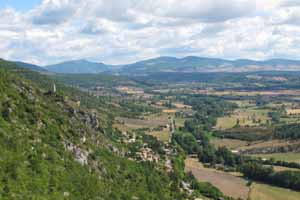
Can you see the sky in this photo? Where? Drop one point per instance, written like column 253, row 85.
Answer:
column 21, row 5
column 123, row 31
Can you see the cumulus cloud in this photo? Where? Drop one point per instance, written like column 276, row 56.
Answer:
column 124, row 31
column 53, row 12
column 290, row 3
column 207, row 11
column 286, row 16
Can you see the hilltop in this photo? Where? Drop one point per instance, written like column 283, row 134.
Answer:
column 78, row 67
column 173, row 64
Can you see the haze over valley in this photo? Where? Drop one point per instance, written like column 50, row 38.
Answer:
column 150, row 100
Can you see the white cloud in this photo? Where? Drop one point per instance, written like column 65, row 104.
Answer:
column 52, row 12
column 207, row 11
column 287, row 16
column 124, row 31
column 290, row 3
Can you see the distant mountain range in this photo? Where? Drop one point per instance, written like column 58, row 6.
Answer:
column 78, row 67
column 171, row 64
column 31, row 66
column 201, row 64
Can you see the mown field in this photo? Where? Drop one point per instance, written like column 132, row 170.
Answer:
column 229, row 143
column 152, row 121
column 243, row 117
column 288, row 157
column 250, row 93
column 266, row 192
column 229, row 184
column 237, row 187
column 163, row 135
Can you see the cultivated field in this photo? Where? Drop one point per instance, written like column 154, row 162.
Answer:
column 249, row 93
column 243, row 117
column 293, row 111
column 269, row 144
column 243, row 103
column 163, row 135
column 170, row 111
column 229, row 184
column 142, row 123
column 280, row 168
column 179, row 122
column 130, row 90
column 267, row 192
column 180, row 105
column 229, row 143
column 289, row 157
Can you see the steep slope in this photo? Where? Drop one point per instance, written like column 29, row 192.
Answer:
column 31, row 66
column 51, row 148
column 78, row 67
column 93, row 80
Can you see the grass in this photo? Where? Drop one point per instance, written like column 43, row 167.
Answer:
column 180, row 105
column 159, row 117
column 229, row 143
column 229, row 184
column 267, row 192
column 179, row 122
column 290, row 119
column 246, row 117
column 149, row 121
column 280, row 168
column 243, row 103
column 237, row 187
column 122, row 127
column 289, row 157
column 142, row 123
column 161, row 135
column 170, row 111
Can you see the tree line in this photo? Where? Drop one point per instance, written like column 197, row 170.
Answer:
column 194, row 139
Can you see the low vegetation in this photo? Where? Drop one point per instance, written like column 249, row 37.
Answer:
column 267, row 192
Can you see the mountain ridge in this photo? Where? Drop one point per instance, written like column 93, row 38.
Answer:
column 78, row 67
column 204, row 64
column 174, row 64
column 30, row 66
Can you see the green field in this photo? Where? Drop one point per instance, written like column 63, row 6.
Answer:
column 229, row 143
column 179, row 121
column 289, row 157
column 245, row 116
column 266, row 192
column 244, row 103
column 163, row 135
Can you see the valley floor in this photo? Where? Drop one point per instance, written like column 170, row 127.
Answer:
column 235, row 186
column 229, row 184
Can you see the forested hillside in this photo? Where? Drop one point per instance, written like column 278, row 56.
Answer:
column 53, row 148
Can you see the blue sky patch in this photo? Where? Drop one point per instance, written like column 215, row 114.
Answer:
column 22, row 5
